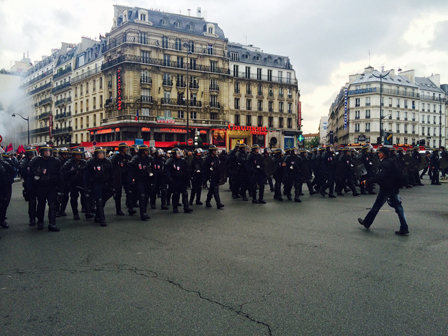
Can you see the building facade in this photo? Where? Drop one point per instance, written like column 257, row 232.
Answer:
column 354, row 116
column 263, row 93
column 323, row 127
column 163, row 66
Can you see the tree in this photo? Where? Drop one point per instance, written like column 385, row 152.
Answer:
column 314, row 142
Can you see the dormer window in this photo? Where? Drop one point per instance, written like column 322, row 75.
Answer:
column 164, row 22
column 142, row 17
column 177, row 24
column 210, row 30
column 190, row 26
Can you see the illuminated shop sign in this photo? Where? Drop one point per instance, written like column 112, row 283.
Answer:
column 251, row 129
column 107, row 130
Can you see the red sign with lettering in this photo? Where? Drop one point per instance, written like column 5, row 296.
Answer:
column 119, row 88
column 251, row 129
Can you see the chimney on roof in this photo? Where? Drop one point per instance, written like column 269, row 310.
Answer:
column 188, row 10
column 27, row 54
column 199, row 12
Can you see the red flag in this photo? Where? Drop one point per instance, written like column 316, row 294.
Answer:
column 9, row 148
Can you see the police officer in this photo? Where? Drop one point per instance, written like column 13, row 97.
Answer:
column 99, row 184
column 177, row 175
column 348, row 165
column 255, row 169
column 267, row 156
column 292, row 174
column 7, row 174
column 243, row 177
column 318, row 173
column 62, row 206
column 368, row 164
column 28, row 193
column 435, row 167
column 159, row 186
column 417, row 160
column 120, row 162
column 45, row 179
column 140, row 174
column 278, row 174
column 197, row 176
column 213, row 174
column 73, row 171
column 329, row 169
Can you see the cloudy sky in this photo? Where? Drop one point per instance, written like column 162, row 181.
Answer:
column 326, row 40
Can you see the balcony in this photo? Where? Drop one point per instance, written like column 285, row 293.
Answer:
column 61, row 73
column 271, row 95
column 181, row 84
column 40, row 88
column 38, row 78
column 413, row 119
column 271, row 109
column 280, row 110
column 399, row 93
column 237, row 91
column 356, row 118
column 214, row 87
column 63, row 101
column 63, row 115
column 215, row 104
column 260, row 95
column 248, row 108
column 58, row 131
column 281, row 95
column 398, row 118
column 146, row 99
column 85, row 75
column 61, row 87
column 145, row 80
column 406, row 119
column 289, row 111
column 44, row 115
column 39, row 130
column 260, row 109
column 167, row 82
column 162, row 63
column 194, row 85
column 180, row 102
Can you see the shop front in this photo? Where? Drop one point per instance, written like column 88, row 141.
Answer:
column 246, row 134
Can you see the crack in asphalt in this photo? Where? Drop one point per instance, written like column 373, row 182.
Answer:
column 153, row 275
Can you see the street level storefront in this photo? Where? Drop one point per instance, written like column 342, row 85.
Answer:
column 161, row 133
column 249, row 135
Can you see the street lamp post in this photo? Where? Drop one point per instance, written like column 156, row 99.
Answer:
column 28, row 121
column 186, row 45
column 381, row 102
column 440, row 122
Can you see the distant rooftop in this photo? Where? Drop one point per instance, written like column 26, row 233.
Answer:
column 252, row 55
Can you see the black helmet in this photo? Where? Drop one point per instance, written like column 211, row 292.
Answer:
column 152, row 150
column 99, row 150
column 176, row 151
column 212, row 147
column 45, row 148
column 254, row 147
column 142, row 149
column 122, row 145
column 267, row 150
column 30, row 151
column 160, row 152
column 134, row 149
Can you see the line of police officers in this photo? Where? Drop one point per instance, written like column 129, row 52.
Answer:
column 147, row 173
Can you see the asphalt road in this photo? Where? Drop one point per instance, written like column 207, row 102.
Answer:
column 274, row 269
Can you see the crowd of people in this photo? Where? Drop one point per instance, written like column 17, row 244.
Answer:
column 146, row 174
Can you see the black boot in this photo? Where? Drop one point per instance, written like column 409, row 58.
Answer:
column 143, row 202
column 192, row 195
column 198, row 197
column 185, row 203
column 52, row 219
column 208, row 199
column 163, row 200
column 118, row 208
column 175, row 202
column 219, row 205
column 261, row 195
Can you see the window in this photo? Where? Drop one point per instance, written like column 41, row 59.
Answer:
column 423, row 119
column 270, row 122
column 280, row 76
column 166, row 60
column 101, row 83
column 237, row 87
column 234, row 56
column 249, row 104
column 405, row 103
column 180, row 114
column 248, row 89
column 260, row 105
column 191, row 46
column 192, row 63
column 210, row 49
column 357, row 102
column 258, row 73
column 189, row 26
column 210, row 30
column 164, row 42
column 94, row 103
column 398, row 115
column 145, row 56
column 390, row 102
column 271, row 108
column 142, row 17
column 235, row 70
column 270, row 75
column 213, row 66
column 237, row 119
column 260, row 90
column 367, row 114
column 357, row 114
column 164, row 22
column 280, row 107
column 405, row 116
column 193, row 115
column 423, row 107
column 413, row 129
column 423, row 131
column 213, row 116
column 434, row 120
column 356, row 127
column 413, row 104
column 398, row 102
column 247, row 72
column 237, row 103
column 248, row 120
column 289, row 122
column 280, row 122
column 289, row 107
column 398, row 128
column 368, row 101
column 288, row 77
column 178, row 44
column 145, row 112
